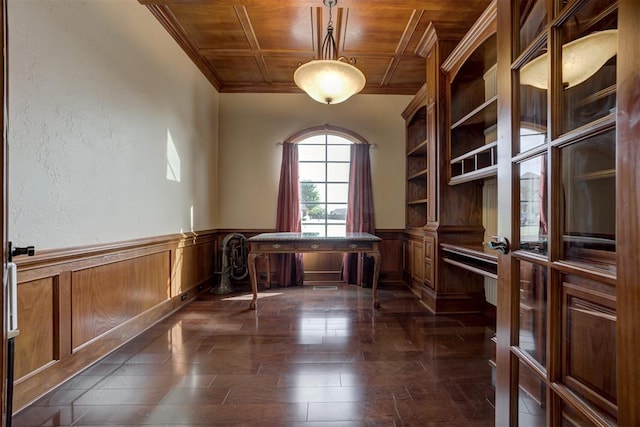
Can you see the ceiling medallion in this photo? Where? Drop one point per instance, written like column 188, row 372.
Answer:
column 331, row 79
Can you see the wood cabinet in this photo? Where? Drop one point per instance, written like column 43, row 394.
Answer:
column 438, row 213
column 461, row 101
column 413, row 261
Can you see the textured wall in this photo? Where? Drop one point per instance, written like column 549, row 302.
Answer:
column 112, row 129
column 252, row 124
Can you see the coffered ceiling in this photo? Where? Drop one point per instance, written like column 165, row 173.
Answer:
column 256, row 45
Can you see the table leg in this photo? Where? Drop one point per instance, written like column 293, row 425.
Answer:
column 251, row 260
column 376, row 275
column 267, row 285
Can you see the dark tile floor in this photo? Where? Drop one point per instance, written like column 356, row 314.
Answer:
column 308, row 356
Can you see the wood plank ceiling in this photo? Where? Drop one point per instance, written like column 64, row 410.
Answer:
column 256, row 45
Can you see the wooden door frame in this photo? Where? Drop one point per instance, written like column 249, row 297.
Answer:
column 627, row 224
column 3, row 227
column 506, row 366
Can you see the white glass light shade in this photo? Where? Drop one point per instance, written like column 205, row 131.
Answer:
column 581, row 59
column 329, row 81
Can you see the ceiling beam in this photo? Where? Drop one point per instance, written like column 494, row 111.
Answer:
column 245, row 23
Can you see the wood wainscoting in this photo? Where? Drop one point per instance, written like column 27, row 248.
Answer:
column 77, row 305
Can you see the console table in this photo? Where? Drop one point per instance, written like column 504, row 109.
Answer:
column 262, row 245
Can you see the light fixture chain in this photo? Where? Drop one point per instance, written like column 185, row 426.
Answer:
column 329, row 47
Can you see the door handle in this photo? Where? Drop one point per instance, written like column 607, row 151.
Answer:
column 499, row 244
column 25, row 250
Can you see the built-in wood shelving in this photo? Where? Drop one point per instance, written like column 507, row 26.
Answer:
column 474, row 259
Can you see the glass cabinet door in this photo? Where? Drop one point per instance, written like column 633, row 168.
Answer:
column 589, row 197
column 561, row 289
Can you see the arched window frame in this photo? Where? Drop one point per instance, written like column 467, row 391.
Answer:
column 328, row 225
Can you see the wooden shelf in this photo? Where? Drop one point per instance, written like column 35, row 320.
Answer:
column 419, row 150
column 608, row 91
column 476, row 164
column 419, row 174
column 607, row 173
column 417, row 202
column 487, row 113
column 488, row 172
column 475, row 259
column 478, row 252
column 472, row 153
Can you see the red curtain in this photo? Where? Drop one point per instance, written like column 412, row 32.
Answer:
column 290, row 269
column 360, row 215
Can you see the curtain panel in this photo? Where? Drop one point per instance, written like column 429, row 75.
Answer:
column 290, row 268
column 360, row 213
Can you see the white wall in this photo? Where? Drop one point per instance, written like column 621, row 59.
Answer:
column 96, row 90
column 249, row 161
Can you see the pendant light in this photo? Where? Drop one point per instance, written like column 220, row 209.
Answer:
column 331, row 79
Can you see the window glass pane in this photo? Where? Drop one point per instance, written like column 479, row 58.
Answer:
column 337, row 193
column 335, row 139
column 313, row 212
column 316, row 139
column 311, row 192
column 309, row 171
column 337, row 212
column 589, row 45
column 533, row 101
column 532, row 398
column 533, row 205
column 533, row 311
column 589, row 190
column 336, row 230
column 533, row 18
column 316, row 229
column 339, row 153
column 311, row 153
column 338, row 172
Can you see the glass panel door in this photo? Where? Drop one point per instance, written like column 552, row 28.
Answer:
column 557, row 345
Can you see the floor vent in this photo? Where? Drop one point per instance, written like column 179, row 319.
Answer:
column 325, row 288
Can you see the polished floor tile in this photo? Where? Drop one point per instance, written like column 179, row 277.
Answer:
column 305, row 357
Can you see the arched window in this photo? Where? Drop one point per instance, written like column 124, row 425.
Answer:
column 323, row 169
column 324, row 157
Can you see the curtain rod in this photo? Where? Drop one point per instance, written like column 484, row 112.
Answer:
column 359, row 143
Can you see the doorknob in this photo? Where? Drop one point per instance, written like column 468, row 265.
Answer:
column 499, row 244
column 26, row 250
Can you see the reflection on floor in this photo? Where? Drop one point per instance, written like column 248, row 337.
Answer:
column 306, row 357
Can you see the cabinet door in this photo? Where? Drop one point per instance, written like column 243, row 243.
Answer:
column 557, row 303
column 418, row 262
column 407, row 257
column 428, row 261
